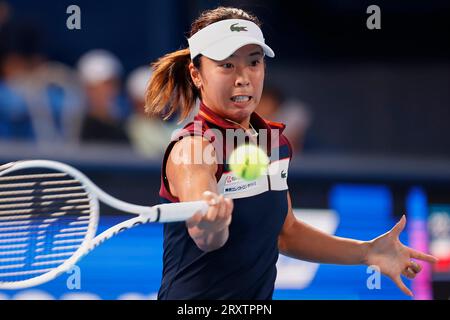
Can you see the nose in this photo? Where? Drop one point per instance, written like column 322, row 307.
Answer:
column 242, row 79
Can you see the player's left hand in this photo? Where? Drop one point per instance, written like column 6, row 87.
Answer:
column 394, row 259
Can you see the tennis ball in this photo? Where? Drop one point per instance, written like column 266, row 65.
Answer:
column 248, row 162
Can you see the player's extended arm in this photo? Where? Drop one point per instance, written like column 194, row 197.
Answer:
column 192, row 177
column 302, row 241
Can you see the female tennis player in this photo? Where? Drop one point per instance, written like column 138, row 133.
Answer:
column 231, row 252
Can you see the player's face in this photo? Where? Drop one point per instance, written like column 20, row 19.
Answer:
column 233, row 87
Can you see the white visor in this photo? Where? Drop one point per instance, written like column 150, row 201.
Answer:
column 221, row 39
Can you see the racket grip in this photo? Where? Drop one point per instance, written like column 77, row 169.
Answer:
column 180, row 211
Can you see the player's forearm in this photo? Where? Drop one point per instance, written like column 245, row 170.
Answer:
column 308, row 243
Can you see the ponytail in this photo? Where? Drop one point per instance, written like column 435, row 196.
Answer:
column 170, row 88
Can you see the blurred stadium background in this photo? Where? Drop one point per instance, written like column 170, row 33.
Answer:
column 369, row 113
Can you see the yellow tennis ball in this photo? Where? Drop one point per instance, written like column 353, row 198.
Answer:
column 248, row 162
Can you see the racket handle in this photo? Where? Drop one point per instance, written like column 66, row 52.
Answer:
column 180, row 211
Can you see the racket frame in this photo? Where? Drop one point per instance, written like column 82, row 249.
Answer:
column 145, row 214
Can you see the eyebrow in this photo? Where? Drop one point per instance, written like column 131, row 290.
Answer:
column 256, row 53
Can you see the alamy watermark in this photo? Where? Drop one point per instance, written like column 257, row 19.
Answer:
column 73, row 281
column 73, row 22
column 220, row 143
column 374, row 20
column 374, row 280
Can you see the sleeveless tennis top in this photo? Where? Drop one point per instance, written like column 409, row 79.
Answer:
column 245, row 266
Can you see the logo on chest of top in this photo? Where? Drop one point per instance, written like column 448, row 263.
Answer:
column 233, row 184
column 231, row 179
column 240, row 187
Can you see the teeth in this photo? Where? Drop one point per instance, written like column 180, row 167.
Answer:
column 241, row 98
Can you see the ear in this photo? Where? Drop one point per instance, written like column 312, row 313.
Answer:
column 195, row 75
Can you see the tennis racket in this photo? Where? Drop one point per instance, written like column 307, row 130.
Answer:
column 49, row 214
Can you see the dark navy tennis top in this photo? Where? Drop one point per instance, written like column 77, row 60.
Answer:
column 245, row 267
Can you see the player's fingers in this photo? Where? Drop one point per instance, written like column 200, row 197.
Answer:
column 222, row 208
column 398, row 228
column 229, row 209
column 398, row 281
column 409, row 273
column 210, row 198
column 422, row 256
column 212, row 214
column 229, row 206
column 194, row 220
column 213, row 209
column 415, row 267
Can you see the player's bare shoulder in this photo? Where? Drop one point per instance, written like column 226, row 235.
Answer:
column 191, row 161
column 193, row 151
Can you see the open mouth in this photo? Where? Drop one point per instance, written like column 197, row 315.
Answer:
column 241, row 98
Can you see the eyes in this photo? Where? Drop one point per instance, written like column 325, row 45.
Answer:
column 254, row 63
column 229, row 65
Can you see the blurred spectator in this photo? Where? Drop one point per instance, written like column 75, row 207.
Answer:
column 149, row 136
column 18, row 55
column 39, row 100
column 15, row 121
column 293, row 113
column 100, row 73
column 53, row 93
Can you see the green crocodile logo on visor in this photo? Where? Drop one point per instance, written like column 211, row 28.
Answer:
column 233, row 27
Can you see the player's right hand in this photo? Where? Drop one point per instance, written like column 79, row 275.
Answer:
column 215, row 220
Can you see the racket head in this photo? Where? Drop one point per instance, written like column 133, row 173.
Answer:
column 49, row 214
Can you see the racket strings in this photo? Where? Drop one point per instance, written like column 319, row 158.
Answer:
column 47, row 204
column 44, row 218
